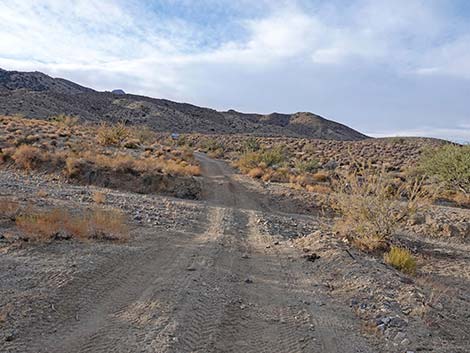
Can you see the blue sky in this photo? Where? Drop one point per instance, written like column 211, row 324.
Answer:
column 396, row 67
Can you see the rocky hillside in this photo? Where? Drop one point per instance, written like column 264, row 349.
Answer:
column 36, row 95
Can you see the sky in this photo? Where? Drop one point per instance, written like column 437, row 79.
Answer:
column 384, row 67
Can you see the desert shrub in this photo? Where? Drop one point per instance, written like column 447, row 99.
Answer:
column 108, row 224
column 320, row 176
column 112, row 135
column 131, row 143
column 143, row 134
column 94, row 224
column 264, row 159
column 211, row 145
column 372, row 207
column 307, row 166
column 99, row 197
column 450, row 164
column 8, row 208
column 256, row 172
column 401, row 258
column 251, row 145
column 41, row 226
column 28, row 157
column 65, row 120
column 318, row 189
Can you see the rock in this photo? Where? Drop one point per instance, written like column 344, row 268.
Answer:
column 417, row 219
column 397, row 322
column 330, row 165
column 449, row 230
column 10, row 336
column 311, row 257
column 191, row 268
column 405, row 342
column 245, row 256
column 248, row 280
column 400, row 336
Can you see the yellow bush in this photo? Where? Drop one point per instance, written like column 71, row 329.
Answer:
column 112, row 135
column 402, row 259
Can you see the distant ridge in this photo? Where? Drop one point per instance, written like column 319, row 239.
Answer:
column 37, row 95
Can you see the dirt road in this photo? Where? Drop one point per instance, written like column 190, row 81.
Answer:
column 226, row 285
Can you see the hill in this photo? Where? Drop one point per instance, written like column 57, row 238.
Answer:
column 36, row 95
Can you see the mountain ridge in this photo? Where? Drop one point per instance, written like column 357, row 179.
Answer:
column 37, row 95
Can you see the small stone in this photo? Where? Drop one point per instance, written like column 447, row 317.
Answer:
column 400, row 336
column 191, row 268
column 245, row 256
column 10, row 336
column 248, row 280
column 405, row 342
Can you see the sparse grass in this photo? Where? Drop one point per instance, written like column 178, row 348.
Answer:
column 402, row 259
column 43, row 226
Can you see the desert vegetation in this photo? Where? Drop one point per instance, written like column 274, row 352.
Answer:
column 45, row 225
column 116, row 155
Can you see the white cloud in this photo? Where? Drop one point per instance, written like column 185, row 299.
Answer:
column 289, row 55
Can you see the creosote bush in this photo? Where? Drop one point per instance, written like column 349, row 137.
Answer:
column 450, row 164
column 372, row 206
column 402, row 259
column 263, row 159
column 307, row 166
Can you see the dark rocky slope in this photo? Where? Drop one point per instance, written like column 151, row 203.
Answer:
column 36, row 95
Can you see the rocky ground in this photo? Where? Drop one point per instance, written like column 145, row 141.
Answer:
column 250, row 267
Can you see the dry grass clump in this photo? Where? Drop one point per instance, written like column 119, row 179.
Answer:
column 402, row 259
column 112, row 135
column 99, row 197
column 28, row 157
column 95, row 224
column 8, row 208
column 256, row 172
column 372, row 206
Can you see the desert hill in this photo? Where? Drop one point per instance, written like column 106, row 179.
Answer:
column 36, row 95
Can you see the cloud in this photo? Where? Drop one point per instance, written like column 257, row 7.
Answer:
column 352, row 61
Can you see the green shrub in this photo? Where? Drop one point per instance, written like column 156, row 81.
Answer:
column 251, row 145
column 211, row 145
column 266, row 159
column 307, row 166
column 450, row 164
